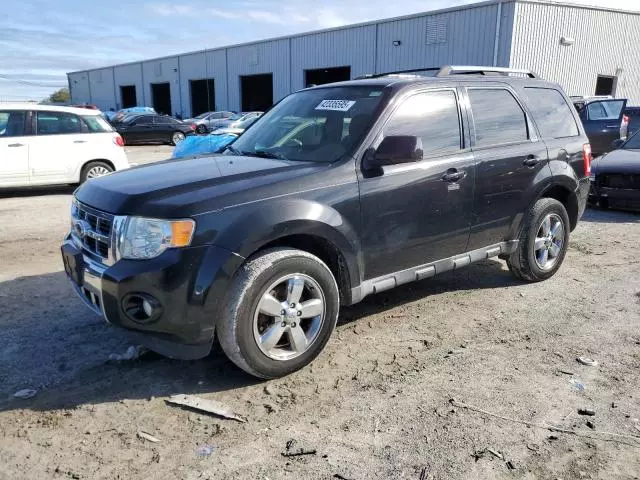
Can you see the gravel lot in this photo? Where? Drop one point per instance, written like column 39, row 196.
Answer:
column 376, row 404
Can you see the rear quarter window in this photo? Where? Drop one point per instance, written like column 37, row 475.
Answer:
column 497, row 116
column 96, row 124
column 551, row 112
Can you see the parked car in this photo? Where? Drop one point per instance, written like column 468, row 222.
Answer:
column 615, row 176
column 47, row 145
column 152, row 128
column 633, row 114
column 604, row 120
column 115, row 117
column 209, row 121
column 238, row 119
column 265, row 242
column 238, row 127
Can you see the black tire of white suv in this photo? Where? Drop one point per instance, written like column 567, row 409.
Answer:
column 94, row 169
column 543, row 242
column 281, row 309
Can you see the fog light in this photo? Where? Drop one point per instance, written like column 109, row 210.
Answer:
column 141, row 307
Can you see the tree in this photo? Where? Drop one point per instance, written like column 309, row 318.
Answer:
column 60, row 96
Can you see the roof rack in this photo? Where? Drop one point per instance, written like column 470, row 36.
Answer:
column 475, row 70
column 448, row 70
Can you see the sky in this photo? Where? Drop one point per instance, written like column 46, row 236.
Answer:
column 41, row 40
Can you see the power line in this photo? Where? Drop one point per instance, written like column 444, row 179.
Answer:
column 27, row 83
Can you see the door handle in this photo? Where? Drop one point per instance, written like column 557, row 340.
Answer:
column 453, row 175
column 612, row 126
column 79, row 141
column 16, row 145
column 531, row 161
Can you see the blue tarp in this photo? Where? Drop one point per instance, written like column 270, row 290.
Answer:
column 198, row 144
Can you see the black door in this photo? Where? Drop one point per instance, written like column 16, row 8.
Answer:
column 164, row 127
column 602, row 120
column 138, row 130
column 161, row 96
column 203, row 95
column 411, row 214
column 508, row 157
column 128, row 96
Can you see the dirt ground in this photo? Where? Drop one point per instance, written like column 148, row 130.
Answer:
column 375, row 405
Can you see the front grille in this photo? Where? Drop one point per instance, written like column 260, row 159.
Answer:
column 91, row 230
column 623, row 181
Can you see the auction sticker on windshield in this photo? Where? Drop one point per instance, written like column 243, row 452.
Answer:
column 336, row 105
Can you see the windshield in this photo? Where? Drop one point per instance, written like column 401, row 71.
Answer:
column 318, row 125
column 633, row 143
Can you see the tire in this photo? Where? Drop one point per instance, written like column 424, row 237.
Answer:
column 177, row 137
column 529, row 264
column 94, row 170
column 202, row 129
column 241, row 326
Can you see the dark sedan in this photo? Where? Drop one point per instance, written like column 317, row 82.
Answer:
column 615, row 177
column 152, row 128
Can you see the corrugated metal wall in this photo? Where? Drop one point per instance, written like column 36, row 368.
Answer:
column 129, row 75
column 264, row 57
column 463, row 37
column 353, row 47
column 606, row 42
column 162, row 71
column 200, row 66
column 79, row 87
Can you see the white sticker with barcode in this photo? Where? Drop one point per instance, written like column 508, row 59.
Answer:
column 336, row 105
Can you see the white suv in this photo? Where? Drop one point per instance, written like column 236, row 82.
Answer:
column 47, row 145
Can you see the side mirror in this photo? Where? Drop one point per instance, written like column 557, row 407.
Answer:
column 617, row 143
column 395, row 150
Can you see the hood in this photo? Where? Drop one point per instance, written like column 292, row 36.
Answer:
column 228, row 130
column 618, row 161
column 185, row 187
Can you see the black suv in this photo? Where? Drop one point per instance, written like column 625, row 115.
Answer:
column 338, row 192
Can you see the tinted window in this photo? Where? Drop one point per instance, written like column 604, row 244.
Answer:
column 431, row 116
column 12, row 123
column 551, row 112
column 57, row 123
column 609, row 110
column 497, row 117
column 142, row 120
column 166, row 120
column 96, row 124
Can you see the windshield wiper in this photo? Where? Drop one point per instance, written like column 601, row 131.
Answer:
column 234, row 150
column 265, row 154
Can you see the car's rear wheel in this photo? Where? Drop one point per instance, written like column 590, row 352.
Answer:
column 176, row 138
column 95, row 170
column 282, row 308
column 543, row 242
column 201, row 129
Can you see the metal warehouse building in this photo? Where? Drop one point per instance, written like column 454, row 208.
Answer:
column 587, row 50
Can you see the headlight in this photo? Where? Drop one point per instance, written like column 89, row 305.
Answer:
column 141, row 238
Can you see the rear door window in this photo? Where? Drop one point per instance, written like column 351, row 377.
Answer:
column 551, row 112
column 605, row 110
column 431, row 116
column 497, row 117
column 57, row 123
column 13, row 123
column 96, row 124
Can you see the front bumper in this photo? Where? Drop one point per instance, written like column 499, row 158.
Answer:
column 188, row 284
column 624, row 199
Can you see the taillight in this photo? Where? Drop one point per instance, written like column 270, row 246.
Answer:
column 624, row 127
column 117, row 139
column 193, row 126
column 586, row 158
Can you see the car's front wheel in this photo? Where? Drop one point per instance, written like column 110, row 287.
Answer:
column 543, row 242
column 282, row 308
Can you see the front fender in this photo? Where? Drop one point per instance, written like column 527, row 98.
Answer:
column 246, row 229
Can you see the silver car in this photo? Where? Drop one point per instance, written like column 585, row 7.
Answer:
column 209, row 121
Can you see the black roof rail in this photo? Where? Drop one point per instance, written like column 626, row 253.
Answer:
column 448, row 70
column 479, row 70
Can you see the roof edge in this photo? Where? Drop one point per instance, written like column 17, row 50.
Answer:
column 307, row 33
column 579, row 5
